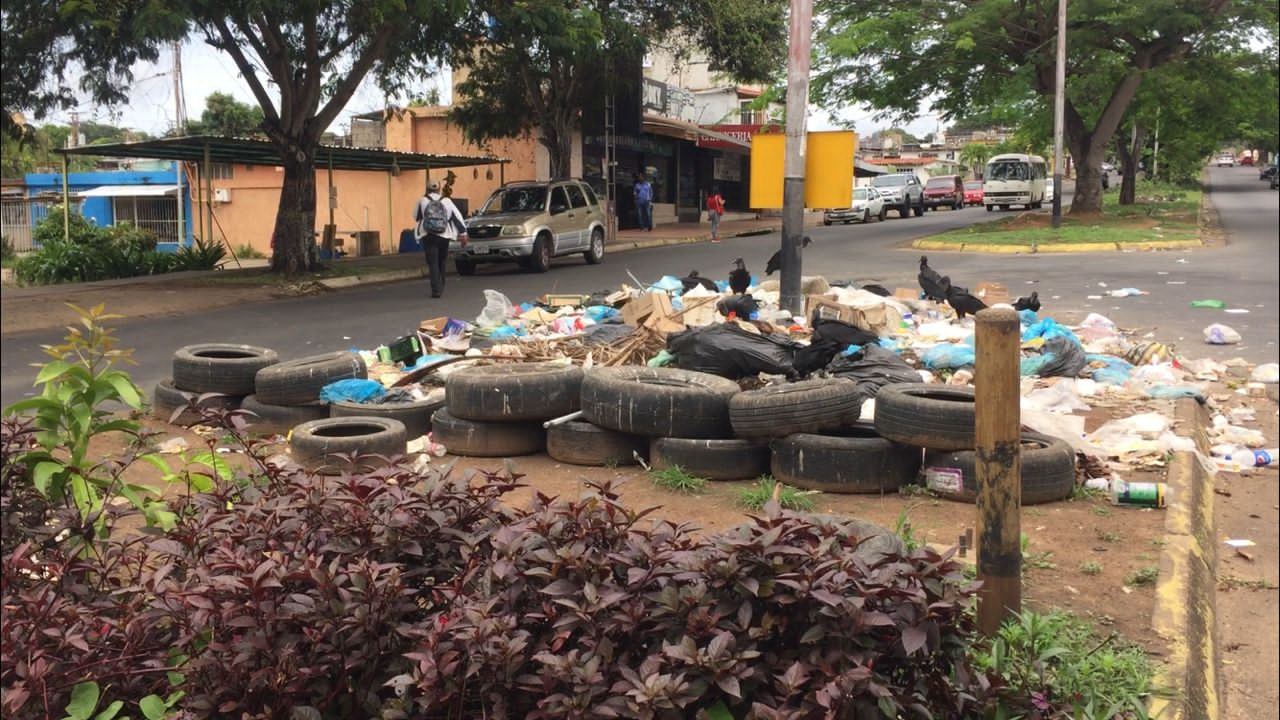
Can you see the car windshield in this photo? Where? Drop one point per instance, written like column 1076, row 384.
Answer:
column 1008, row 171
column 973, row 185
column 860, row 194
column 943, row 182
column 516, row 199
column 889, row 180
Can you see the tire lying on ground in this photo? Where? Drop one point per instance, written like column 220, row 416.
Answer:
column 414, row 414
column 166, row 399
column 581, row 443
column 295, row 382
column 806, row 406
column 938, row 417
column 220, row 367
column 473, row 438
column 658, row 402
column 712, row 459
column 319, row 445
column 851, row 460
column 512, row 393
column 1048, row 471
column 268, row 418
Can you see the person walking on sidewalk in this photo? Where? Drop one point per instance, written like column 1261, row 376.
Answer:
column 439, row 222
column 715, row 210
column 644, row 202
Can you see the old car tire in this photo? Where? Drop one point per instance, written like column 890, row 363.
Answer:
column 540, row 259
column 415, row 415
column 805, row 406
column 317, row 444
column 595, row 251
column 939, row 417
column 220, row 367
column 514, row 392
column 658, row 402
column 711, row 459
column 166, row 399
column 581, row 443
column 852, row 460
column 280, row 419
column 1048, row 471
column 296, row 382
column 464, row 266
column 485, row 439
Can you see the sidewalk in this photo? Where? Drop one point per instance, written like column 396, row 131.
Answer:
column 683, row 233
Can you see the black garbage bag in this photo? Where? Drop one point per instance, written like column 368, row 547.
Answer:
column 1059, row 357
column 731, row 352
column 741, row 305
column 606, row 333
column 842, row 332
column 872, row 368
column 816, row 356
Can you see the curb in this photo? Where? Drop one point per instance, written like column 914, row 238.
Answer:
column 625, row 246
column 1058, row 249
column 389, row 276
column 1184, row 615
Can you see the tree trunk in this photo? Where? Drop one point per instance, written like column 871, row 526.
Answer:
column 557, row 138
column 293, row 245
column 1130, row 153
column 1088, row 154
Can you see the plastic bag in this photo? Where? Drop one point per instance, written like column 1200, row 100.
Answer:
column 1060, row 397
column 497, row 308
column 352, row 390
column 1265, row 373
column 1059, row 356
column 817, row 355
column 731, row 352
column 1172, row 392
column 1048, row 328
column 946, row 356
column 600, row 313
column 1109, row 369
column 1027, row 317
column 1218, row 334
column 873, row 368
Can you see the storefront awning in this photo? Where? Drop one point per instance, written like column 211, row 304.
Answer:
column 671, row 127
column 129, row 191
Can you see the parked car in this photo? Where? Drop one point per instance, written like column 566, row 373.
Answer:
column 1267, row 172
column 867, row 203
column 902, row 192
column 944, row 191
column 532, row 222
column 1246, row 160
column 1226, row 160
column 973, row 192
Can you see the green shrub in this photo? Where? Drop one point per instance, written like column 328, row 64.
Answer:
column 200, row 256
column 248, row 251
column 7, row 252
column 89, row 252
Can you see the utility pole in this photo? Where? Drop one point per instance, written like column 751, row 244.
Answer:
column 794, row 154
column 180, row 123
column 1155, row 154
column 1059, row 110
column 74, row 140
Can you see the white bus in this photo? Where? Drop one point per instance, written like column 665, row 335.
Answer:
column 1014, row 179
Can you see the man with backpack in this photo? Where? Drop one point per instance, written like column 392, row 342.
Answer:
column 439, row 222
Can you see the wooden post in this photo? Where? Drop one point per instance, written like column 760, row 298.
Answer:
column 66, row 200
column 998, row 467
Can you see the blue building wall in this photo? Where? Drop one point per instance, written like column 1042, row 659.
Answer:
column 98, row 209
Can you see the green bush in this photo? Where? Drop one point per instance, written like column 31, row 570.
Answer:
column 7, row 252
column 200, row 256
column 88, row 252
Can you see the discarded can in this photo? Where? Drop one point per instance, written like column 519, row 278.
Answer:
column 1137, row 493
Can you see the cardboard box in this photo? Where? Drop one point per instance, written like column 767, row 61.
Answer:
column 562, row 300
column 827, row 308
column 906, row 293
column 991, row 293
column 434, row 326
column 639, row 308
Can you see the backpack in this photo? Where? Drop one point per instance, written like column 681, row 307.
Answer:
column 713, row 203
column 436, row 216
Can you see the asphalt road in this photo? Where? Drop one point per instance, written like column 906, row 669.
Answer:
column 1243, row 274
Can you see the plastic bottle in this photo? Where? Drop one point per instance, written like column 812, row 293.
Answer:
column 1137, row 494
column 1240, row 458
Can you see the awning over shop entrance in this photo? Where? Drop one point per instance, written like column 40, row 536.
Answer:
column 129, row 191
column 671, row 127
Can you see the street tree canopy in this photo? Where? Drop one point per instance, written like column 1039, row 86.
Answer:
column 967, row 57
column 538, row 64
column 226, row 116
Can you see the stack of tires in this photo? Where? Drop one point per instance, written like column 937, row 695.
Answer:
column 287, row 394
column 210, row 375
column 498, row 410
column 817, row 441
column 414, row 414
column 940, row 419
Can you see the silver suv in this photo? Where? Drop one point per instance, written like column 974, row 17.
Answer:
column 532, row 222
column 902, row 192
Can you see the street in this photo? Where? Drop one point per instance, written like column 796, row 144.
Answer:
column 1242, row 274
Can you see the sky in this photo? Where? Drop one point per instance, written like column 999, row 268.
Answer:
column 151, row 107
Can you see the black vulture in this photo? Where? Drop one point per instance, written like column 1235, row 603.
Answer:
column 775, row 262
column 931, row 281
column 1031, row 303
column 963, row 303
column 739, row 277
column 696, row 280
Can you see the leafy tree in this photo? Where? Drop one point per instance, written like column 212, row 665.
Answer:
column 548, row 58
column 975, row 55
column 976, row 155
column 226, row 116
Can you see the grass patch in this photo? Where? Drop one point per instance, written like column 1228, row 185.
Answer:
column 676, row 479
column 1091, row 567
column 332, row 269
column 759, row 494
column 1143, row 576
column 1160, row 213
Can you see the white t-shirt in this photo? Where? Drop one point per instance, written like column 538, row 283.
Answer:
column 450, row 229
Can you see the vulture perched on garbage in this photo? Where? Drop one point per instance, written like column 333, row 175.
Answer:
column 960, row 299
column 739, row 277
column 931, row 281
column 775, row 262
column 1031, row 303
column 696, row 280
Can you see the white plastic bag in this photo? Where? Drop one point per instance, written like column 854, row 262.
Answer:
column 497, row 308
column 1266, row 373
column 1219, row 334
column 1060, row 397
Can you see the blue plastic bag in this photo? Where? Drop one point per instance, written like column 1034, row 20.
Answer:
column 352, row 390
column 889, row 343
column 948, row 356
column 1171, row 392
column 1114, row 370
column 1027, row 317
column 601, row 312
column 1048, row 328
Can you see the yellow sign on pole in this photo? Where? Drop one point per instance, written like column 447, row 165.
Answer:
column 828, row 169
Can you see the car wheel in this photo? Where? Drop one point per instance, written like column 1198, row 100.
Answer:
column 904, row 211
column 991, row 208
column 465, row 266
column 884, row 212
column 323, row 446
column 540, row 260
column 826, row 222
column 958, row 206
column 866, row 216
column 595, row 252
column 919, row 210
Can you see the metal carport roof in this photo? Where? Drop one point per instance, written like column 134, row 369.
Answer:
column 251, row 151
